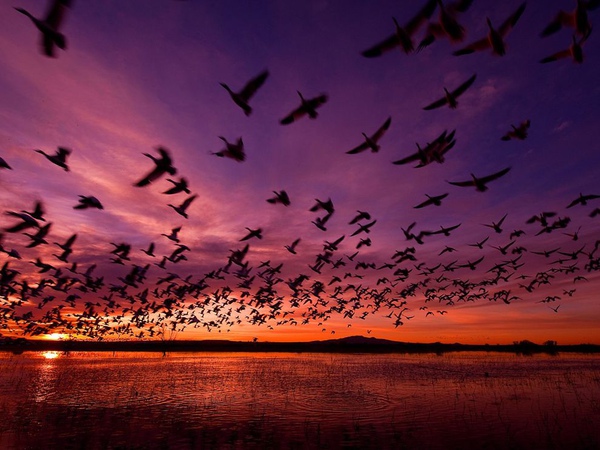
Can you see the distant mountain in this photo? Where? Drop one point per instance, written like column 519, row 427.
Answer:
column 358, row 340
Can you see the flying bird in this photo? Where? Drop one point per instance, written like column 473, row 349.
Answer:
column 446, row 25
column 480, row 183
column 280, row 197
column 88, row 202
column 178, row 186
column 181, row 209
column 4, row 164
column 292, row 247
column 307, row 107
column 371, row 142
column 450, row 97
column 402, row 36
column 435, row 200
column 494, row 38
column 577, row 19
column 50, row 26
column 59, row 158
column 496, row 226
column 582, row 200
column 252, row 233
column 232, row 150
column 519, row 132
column 574, row 51
column 433, row 151
column 163, row 165
column 242, row 97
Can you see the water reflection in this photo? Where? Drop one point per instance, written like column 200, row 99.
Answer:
column 301, row 400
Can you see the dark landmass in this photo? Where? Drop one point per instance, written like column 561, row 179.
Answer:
column 352, row 344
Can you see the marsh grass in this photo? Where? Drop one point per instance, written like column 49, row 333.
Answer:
column 304, row 401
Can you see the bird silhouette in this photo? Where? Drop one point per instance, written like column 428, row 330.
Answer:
column 494, row 38
column 280, row 197
column 481, row 183
column 50, row 26
column 446, row 25
column 450, row 97
column 574, row 51
column 402, row 36
column 182, row 208
column 232, row 150
column 371, row 142
column 307, row 107
column 519, row 132
column 162, row 165
column 59, row 158
column 4, row 164
column 178, row 186
column 86, row 202
column 242, row 97
column 435, row 200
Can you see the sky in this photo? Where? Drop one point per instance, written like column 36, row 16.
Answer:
column 144, row 74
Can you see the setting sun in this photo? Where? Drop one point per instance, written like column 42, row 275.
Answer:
column 55, row 336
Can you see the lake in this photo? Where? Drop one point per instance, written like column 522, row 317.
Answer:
column 456, row 400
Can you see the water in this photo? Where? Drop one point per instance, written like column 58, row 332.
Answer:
column 243, row 400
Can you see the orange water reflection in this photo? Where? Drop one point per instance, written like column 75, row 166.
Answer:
column 287, row 400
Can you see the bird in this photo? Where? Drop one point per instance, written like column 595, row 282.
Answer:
column 181, row 209
column 574, row 51
column 37, row 213
column 280, row 197
column 257, row 233
column 59, row 158
column 450, row 97
column 150, row 250
column 173, row 235
column 480, row 183
column 292, row 247
column 494, row 38
column 446, row 25
column 163, row 165
column 88, row 202
column 433, row 151
column 326, row 205
column 496, row 226
column 519, row 132
column 231, row 150
column 178, row 186
column 372, row 141
column 26, row 222
column 50, row 26
column 242, row 97
column 38, row 237
column 4, row 164
column 435, row 200
column 307, row 107
column 582, row 200
column 402, row 36
column 360, row 216
column 577, row 19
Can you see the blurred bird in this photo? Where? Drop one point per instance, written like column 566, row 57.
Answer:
column 59, row 158
column 280, row 197
column 577, row 19
column 450, row 97
column 163, row 165
column 178, row 186
column 435, row 200
column 402, row 36
column 495, row 38
column 181, row 209
column 307, row 107
column 4, row 164
column 480, row 183
column 446, row 25
column 292, row 247
column 231, row 150
column 243, row 97
column 50, row 26
column 372, row 141
column 575, row 51
column 519, row 132
column 252, row 233
column 88, row 202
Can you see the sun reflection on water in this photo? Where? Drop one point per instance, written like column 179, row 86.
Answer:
column 51, row 354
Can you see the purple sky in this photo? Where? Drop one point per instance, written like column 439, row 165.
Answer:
column 144, row 73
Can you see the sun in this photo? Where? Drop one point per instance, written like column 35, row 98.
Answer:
column 56, row 336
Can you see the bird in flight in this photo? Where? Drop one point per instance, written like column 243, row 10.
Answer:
column 372, row 141
column 4, row 164
column 446, row 25
column 88, row 202
column 59, row 158
column 519, row 132
column 450, row 97
column 163, row 165
column 181, row 209
column 494, row 38
column 574, row 51
column 307, row 107
column 280, row 197
column 50, row 25
column 577, row 19
column 402, row 36
column 480, row 183
column 178, row 186
column 242, row 97
column 435, row 200
column 231, row 150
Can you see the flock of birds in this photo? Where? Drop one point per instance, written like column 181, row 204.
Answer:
column 152, row 298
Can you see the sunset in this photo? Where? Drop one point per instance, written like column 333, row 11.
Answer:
column 180, row 171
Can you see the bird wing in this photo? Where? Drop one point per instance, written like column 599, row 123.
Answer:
column 361, row 148
column 382, row 47
column 462, row 183
column 382, row 129
column 56, row 13
column 494, row 176
column 481, row 44
column 252, row 86
column 556, row 56
column 511, row 21
column 293, row 116
column 438, row 103
column 150, row 177
column 423, row 204
column 463, row 87
column 561, row 19
column 423, row 15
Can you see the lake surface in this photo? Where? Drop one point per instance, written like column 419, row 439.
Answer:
column 284, row 400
